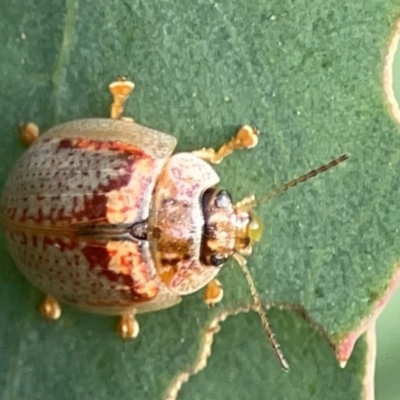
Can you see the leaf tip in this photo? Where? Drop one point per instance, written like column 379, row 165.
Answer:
column 344, row 347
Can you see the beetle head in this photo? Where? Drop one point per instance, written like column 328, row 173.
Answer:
column 228, row 228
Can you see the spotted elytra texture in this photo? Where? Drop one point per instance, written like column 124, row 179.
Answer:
column 70, row 206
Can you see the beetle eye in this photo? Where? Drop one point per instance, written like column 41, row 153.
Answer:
column 256, row 228
column 217, row 260
column 223, row 199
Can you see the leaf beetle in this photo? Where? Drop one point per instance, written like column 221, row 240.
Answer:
column 99, row 214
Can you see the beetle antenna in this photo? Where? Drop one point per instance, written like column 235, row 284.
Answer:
column 311, row 174
column 271, row 337
column 249, row 202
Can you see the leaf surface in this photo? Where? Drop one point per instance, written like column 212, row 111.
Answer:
column 308, row 74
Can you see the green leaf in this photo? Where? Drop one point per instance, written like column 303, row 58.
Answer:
column 308, row 74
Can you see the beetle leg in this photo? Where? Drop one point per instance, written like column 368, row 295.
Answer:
column 28, row 132
column 213, row 293
column 120, row 90
column 50, row 308
column 127, row 326
column 246, row 138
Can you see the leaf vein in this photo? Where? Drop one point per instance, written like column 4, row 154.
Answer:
column 61, row 61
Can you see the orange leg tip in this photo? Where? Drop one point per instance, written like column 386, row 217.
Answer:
column 213, row 293
column 121, row 87
column 50, row 308
column 120, row 91
column 247, row 137
column 128, row 327
column 28, row 132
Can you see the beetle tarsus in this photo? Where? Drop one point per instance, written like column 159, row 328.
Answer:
column 128, row 326
column 28, row 132
column 120, row 90
column 246, row 138
column 213, row 293
column 50, row 308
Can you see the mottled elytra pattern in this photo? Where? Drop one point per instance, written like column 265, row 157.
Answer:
column 70, row 181
column 82, row 174
column 105, row 277
column 157, row 144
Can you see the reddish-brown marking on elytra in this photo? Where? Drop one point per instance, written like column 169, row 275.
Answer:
column 120, row 263
column 123, row 200
column 134, row 163
column 97, row 256
column 97, row 145
column 130, row 266
column 67, row 182
column 86, row 272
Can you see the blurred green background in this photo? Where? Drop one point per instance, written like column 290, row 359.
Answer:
column 388, row 327
column 388, row 348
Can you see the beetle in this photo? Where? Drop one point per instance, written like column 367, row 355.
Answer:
column 99, row 214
